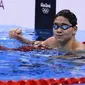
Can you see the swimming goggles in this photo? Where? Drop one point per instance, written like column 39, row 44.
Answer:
column 63, row 26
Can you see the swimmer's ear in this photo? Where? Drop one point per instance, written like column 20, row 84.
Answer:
column 75, row 29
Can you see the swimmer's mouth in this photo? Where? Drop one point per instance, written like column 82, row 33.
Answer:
column 59, row 35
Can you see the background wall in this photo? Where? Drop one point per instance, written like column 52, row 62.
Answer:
column 18, row 12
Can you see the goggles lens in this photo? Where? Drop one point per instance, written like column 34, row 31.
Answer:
column 63, row 26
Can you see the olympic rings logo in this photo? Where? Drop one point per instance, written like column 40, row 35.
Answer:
column 45, row 10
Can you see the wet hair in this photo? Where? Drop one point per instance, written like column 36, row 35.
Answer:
column 69, row 15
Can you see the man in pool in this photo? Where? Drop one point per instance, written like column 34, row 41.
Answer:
column 64, row 30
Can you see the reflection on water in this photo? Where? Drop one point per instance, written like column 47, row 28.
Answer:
column 38, row 63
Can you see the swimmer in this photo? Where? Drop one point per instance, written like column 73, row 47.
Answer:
column 64, row 31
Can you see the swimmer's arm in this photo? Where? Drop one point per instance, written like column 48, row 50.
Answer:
column 24, row 40
column 17, row 34
column 27, row 41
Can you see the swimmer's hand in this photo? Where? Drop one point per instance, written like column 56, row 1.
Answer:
column 40, row 45
column 15, row 33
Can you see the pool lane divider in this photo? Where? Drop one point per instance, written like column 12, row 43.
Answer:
column 51, row 81
column 27, row 48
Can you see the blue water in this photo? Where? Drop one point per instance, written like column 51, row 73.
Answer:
column 16, row 65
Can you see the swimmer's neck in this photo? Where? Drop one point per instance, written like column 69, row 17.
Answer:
column 71, row 44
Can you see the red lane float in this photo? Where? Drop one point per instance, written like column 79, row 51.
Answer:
column 53, row 81
column 30, row 48
column 25, row 48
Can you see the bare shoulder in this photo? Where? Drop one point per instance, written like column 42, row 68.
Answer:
column 84, row 46
column 46, row 42
column 81, row 46
column 43, row 42
column 37, row 42
column 49, row 40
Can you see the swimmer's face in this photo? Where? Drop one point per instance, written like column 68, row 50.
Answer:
column 63, row 29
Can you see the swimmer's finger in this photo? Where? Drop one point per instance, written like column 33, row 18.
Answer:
column 19, row 31
column 11, row 33
column 14, row 29
column 14, row 32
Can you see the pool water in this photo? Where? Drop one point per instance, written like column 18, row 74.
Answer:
column 16, row 65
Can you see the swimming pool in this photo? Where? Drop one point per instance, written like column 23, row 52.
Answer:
column 36, row 64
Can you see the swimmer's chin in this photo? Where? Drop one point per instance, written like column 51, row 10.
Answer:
column 60, row 40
